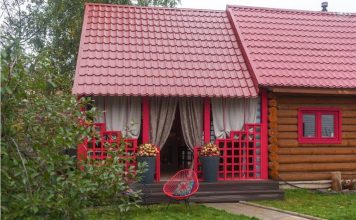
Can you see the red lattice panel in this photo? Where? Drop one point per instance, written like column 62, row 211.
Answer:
column 197, row 162
column 240, row 155
column 97, row 148
column 130, row 152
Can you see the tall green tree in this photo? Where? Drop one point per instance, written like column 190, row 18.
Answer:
column 55, row 26
column 39, row 116
column 66, row 17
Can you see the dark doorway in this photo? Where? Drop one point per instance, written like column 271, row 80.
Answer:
column 175, row 154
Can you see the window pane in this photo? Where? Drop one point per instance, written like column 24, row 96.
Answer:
column 327, row 126
column 308, row 125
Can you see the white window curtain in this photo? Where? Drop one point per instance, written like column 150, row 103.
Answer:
column 191, row 116
column 251, row 110
column 230, row 114
column 120, row 114
column 162, row 114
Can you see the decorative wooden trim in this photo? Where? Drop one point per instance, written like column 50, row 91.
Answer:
column 158, row 166
column 331, row 91
column 264, row 134
column 318, row 139
column 145, row 120
column 81, row 47
column 245, row 52
column 207, row 110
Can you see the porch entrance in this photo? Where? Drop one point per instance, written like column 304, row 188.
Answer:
column 175, row 154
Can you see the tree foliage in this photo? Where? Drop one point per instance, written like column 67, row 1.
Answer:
column 39, row 115
column 55, row 25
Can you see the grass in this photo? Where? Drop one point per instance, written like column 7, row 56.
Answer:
column 156, row 212
column 328, row 206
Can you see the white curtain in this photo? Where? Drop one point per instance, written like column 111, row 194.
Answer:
column 99, row 104
column 251, row 110
column 120, row 114
column 191, row 116
column 162, row 114
column 230, row 114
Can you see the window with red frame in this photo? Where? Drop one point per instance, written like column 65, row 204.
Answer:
column 319, row 125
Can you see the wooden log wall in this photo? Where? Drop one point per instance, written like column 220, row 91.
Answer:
column 291, row 161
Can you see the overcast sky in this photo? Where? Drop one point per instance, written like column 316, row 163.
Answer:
column 313, row 5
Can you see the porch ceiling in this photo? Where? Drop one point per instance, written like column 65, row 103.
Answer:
column 141, row 51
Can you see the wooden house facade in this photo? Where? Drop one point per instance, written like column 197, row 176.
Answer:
column 274, row 89
column 295, row 155
column 306, row 60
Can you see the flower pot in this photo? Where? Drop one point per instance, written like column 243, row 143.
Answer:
column 210, row 168
column 148, row 176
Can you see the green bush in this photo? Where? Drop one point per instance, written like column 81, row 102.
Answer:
column 110, row 183
column 40, row 121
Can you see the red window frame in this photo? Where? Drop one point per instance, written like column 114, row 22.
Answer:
column 318, row 112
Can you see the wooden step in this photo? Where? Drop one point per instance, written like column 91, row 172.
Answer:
column 227, row 185
column 242, row 183
column 218, row 197
column 222, row 191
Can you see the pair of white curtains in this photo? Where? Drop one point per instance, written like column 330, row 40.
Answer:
column 120, row 114
column 124, row 114
column 162, row 115
column 230, row 114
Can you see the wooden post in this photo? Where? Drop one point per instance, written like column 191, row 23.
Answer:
column 336, row 181
column 264, row 134
column 145, row 120
column 146, row 133
column 206, row 120
column 81, row 148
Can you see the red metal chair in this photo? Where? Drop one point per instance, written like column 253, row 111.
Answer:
column 181, row 186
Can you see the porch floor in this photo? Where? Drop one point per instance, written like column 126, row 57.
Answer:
column 222, row 191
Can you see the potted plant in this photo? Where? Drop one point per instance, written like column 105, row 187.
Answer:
column 147, row 154
column 210, row 157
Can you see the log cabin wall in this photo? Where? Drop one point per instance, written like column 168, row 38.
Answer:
column 291, row 161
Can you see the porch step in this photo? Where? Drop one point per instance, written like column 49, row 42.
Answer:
column 224, row 191
column 227, row 185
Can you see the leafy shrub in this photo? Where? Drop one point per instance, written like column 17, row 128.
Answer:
column 40, row 121
column 110, row 182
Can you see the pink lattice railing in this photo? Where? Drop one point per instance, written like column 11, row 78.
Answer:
column 240, row 154
column 97, row 148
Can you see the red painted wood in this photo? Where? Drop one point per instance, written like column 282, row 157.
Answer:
column 145, row 120
column 318, row 112
column 81, row 148
column 264, row 134
column 130, row 150
column 240, row 155
column 81, row 154
column 207, row 110
column 158, row 165
column 146, row 133
column 96, row 148
column 197, row 163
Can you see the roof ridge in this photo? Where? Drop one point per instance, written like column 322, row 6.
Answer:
column 291, row 10
column 155, row 7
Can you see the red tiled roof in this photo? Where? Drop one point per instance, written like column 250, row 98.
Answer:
column 298, row 48
column 142, row 51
